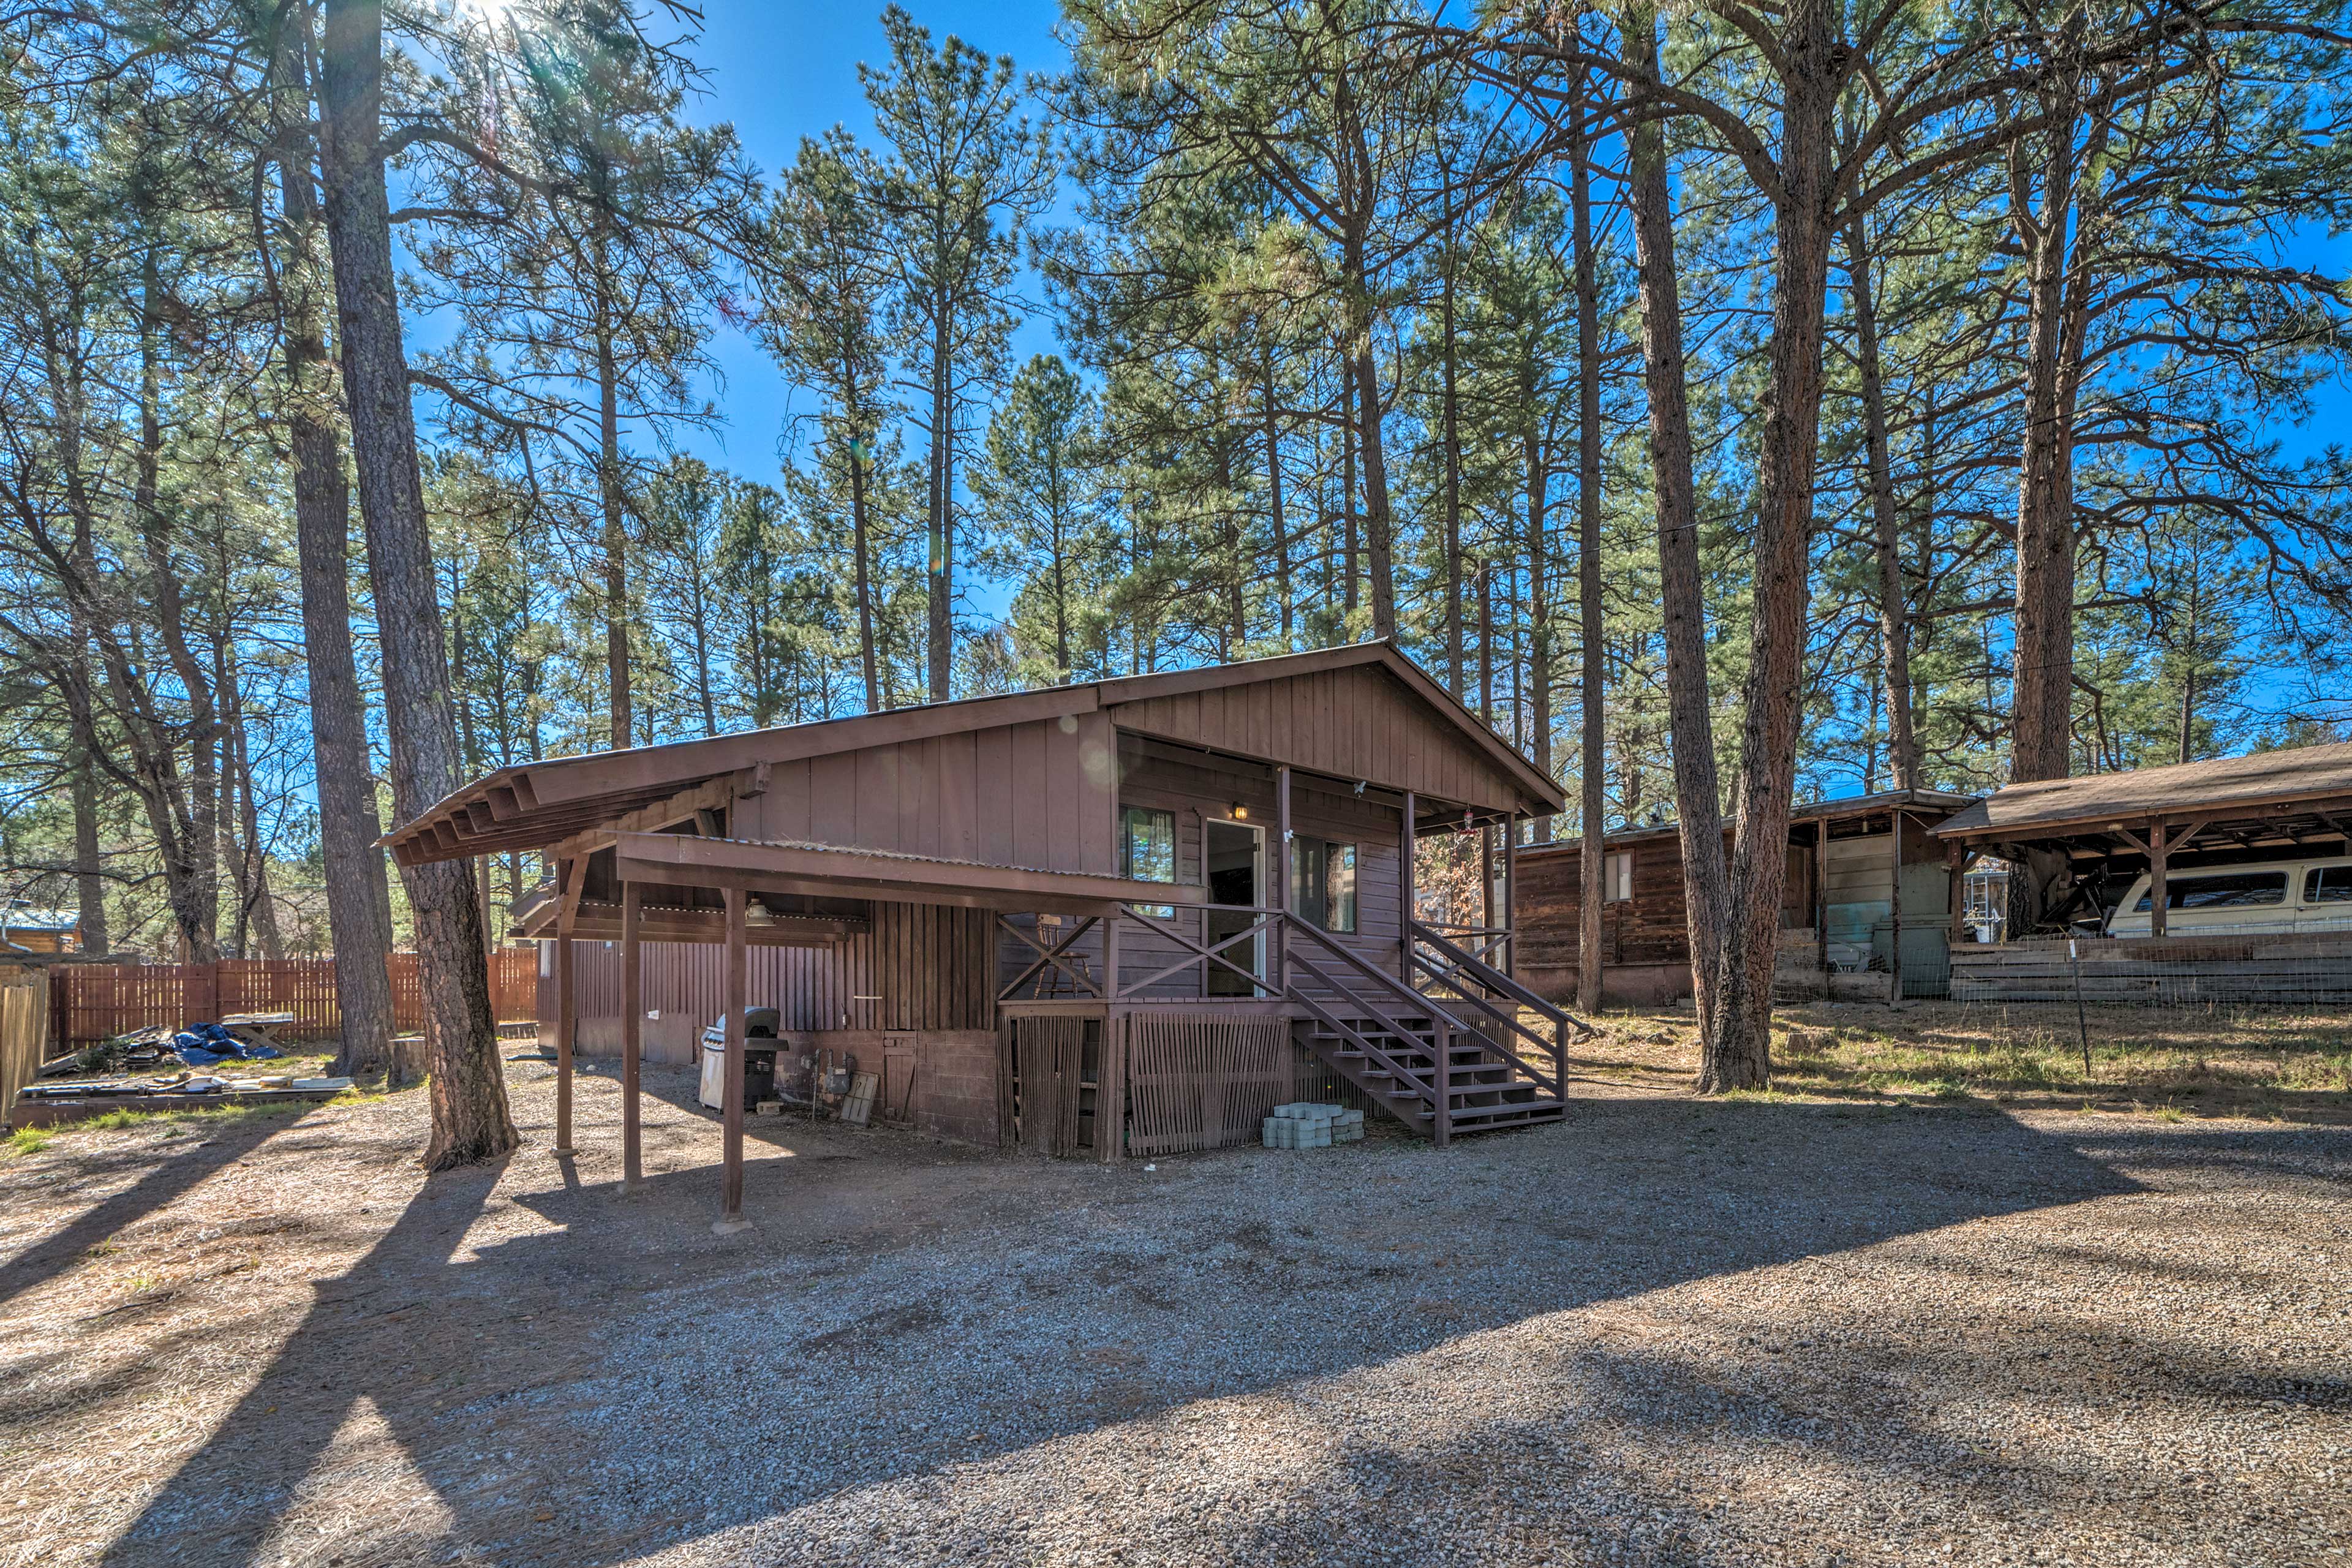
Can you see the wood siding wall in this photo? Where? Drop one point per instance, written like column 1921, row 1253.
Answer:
column 1198, row 792
column 920, row 968
column 1353, row 723
column 1037, row 796
column 1651, row 927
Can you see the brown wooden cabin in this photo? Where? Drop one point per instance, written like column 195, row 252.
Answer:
column 1134, row 914
column 1839, row 917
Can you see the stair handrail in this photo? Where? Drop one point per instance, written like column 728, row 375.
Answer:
column 1494, row 979
column 1423, row 1088
column 1415, row 999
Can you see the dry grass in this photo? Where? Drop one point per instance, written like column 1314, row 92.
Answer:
column 2175, row 1063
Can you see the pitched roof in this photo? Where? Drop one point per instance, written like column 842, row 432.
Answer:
column 553, row 798
column 2259, row 780
column 1835, row 809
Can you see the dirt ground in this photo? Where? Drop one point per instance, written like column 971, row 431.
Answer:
column 1813, row 1329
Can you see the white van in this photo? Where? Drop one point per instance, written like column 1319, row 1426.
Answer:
column 2278, row 895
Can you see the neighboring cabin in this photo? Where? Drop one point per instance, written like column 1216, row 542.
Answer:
column 1838, row 913
column 26, row 928
column 1126, row 916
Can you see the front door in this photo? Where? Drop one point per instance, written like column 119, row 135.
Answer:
column 1234, row 857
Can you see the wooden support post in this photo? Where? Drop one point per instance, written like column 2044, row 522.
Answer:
column 1441, row 1078
column 1282, row 879
column 739, row 959
column 1895, row 939
column 1821, row 899
column 633, row 1032
column 1511, row 895
column 2158, row 851
column 1110, row 955
column 1956, row 892
column 1111, row 1090
column 1404, row 877
column 567, row 1026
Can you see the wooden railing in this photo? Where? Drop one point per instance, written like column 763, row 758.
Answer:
column 1264, row 920
column 1478, row 984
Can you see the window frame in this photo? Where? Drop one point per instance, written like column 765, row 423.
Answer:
column 1327, row 852
column 2178, row 890
column 1126, row 868
column 1617, row 877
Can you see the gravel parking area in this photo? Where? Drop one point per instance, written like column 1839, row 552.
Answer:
column 1667, row 1331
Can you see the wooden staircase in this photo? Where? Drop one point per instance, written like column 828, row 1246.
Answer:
column 1468, row 1062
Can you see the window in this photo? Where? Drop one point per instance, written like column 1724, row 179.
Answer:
column 1617, row 879
column 2327, row 885
column 2230, row 891
column 1146, row 850
column 1323, row 882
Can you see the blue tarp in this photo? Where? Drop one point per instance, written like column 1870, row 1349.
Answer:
column 204, row 1045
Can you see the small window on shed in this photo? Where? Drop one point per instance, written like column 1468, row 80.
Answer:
column 1617, row 877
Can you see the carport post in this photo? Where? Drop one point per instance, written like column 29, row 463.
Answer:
column 567, row 1024
column 632, row 1029
column 731, row 1180
column 2155, row 858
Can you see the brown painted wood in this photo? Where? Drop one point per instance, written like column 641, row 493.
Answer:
column 633, row 1035
column 2158, row 852
column 1404, row 879
column 567, row 1026
column 675, row 860
column 730, row 1178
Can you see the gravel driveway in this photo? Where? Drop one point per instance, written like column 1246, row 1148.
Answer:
column 1667, row 1331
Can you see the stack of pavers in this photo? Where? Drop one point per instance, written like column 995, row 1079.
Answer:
column 1303, row 1124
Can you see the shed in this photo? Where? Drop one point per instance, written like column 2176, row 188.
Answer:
column 1840, row 918
column 1124, row 916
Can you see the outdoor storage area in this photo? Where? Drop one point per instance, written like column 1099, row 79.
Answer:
column 1866, row 884
column 1664, row 1331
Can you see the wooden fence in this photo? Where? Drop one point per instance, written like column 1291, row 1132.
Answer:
column 24, row 1030
column 89, row 1002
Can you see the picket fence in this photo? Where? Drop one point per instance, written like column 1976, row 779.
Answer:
column 94, row 1002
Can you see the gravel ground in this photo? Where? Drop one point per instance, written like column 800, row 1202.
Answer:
column 1667, row 1331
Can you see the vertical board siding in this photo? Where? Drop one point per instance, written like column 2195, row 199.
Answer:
column 1198, row 1083
column 922, row 969
column 91, row 1002
column 1350, row 723
column 1037, row 795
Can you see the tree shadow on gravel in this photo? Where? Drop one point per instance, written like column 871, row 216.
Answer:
column 172, row 1168
column 625, row 1381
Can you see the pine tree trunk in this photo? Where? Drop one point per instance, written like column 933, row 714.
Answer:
column 1592, row 753
column 470, row 1121
column 2041, row 692
column 358, row 923
column 1893, row 602
column 1739, row 1056
column 616, row 535
column 939, row 576
column 1682, row 585
column 1274, row 506
column 864, row 578
column 90, row 881
column 1380, row 533
column 192, row 875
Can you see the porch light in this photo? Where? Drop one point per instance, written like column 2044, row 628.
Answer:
column 1241, row 812
column 756, row 913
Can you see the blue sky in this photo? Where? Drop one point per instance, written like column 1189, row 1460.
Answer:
column 783, row 72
